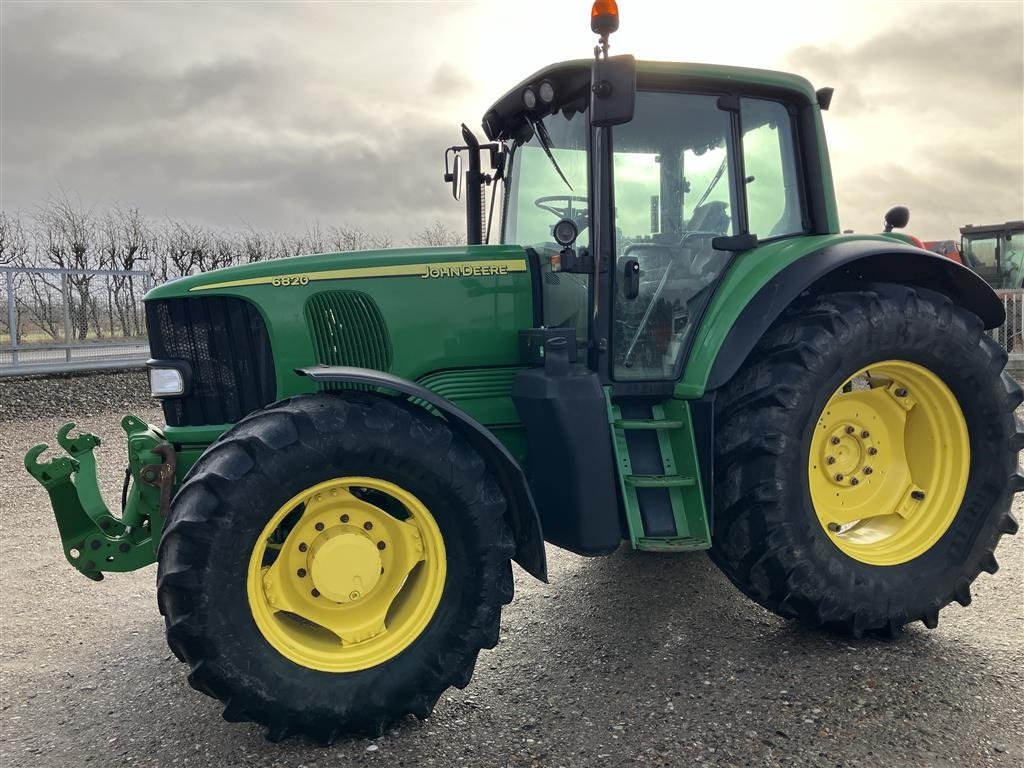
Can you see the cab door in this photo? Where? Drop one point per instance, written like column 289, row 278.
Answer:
column 688, row 169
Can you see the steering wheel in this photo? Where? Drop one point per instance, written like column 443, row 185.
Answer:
column 565, row 212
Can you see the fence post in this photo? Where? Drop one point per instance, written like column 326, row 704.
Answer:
column 12, row 316
column 66, row 290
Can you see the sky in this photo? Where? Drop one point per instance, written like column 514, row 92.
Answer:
column 275, row 115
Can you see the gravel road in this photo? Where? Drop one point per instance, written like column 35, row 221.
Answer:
column 634, row 659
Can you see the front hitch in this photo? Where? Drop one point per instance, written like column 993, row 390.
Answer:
column 94, row 539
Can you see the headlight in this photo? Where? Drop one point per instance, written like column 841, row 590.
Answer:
column 168, row 378
column 546, row 91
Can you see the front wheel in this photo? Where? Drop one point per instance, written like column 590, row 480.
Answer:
column 334, row 563
column 866, row 460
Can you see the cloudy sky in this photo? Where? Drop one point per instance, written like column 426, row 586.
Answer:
column 278, row 114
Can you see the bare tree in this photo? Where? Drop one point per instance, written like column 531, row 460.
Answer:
column 438, row 234
column 127, row 245
column 15, row 246
column 184, row 249
column 66, row 232
column 355, row 239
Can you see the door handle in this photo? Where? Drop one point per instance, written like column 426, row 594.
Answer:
column 631, row 278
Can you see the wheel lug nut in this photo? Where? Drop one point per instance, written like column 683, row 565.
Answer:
column 865, row 434
column 835, row 527
column 917, row 495
column 872, row 451
column 319, row 526
column 315, row 593
column 303, row 547
column 344, row 518
column 868, row 470
column 839, row 478
column 849, row 430
column 834, row 441
column 830, row 459
column 381, row 545
column 368, row 526
column 301, row 573
column 901, row 392
column 854, row 481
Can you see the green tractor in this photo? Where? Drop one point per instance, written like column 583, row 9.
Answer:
column 670, row 344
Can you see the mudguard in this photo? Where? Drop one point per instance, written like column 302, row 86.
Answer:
column 845, row 263
column 522, row 510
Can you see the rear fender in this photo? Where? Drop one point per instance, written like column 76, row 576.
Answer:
column 521, row 513
column 840, row 265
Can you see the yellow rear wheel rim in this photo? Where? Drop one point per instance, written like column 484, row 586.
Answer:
column 346, row 574
column 888, row 463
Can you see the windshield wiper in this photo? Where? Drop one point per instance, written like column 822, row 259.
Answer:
column 541, row 131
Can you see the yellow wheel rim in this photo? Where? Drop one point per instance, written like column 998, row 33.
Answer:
column 888, row 463
column 346, row 574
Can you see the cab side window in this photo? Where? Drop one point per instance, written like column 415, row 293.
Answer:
column 772, row 182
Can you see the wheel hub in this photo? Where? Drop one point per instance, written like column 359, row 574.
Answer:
column 347, row 574
column 888, row 463
column 344, row 566
column 850, row 453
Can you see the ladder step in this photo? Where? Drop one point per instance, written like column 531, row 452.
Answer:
column 659, row 481
column 672, row 544
column 647, row 424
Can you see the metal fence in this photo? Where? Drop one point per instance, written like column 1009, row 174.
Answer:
column 1009, row 334
column 58, row 320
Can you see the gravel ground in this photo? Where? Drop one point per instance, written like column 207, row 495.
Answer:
column 634, row 659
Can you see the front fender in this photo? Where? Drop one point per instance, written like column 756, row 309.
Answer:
column 766, row 280
column 522, row 513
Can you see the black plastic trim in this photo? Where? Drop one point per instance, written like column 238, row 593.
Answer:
column 522, row 511
column 852, row 263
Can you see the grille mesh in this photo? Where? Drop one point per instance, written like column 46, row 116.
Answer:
column 225, row 341
column 348, row 329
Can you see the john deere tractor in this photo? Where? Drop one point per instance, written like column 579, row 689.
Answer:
column 669, row 344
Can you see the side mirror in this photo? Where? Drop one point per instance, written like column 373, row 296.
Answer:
column 612, row 90
column 630, row 278
column 458, row 177
column 897, row 218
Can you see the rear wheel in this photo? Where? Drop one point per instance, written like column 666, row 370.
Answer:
column 866, row 459
column 334, row 563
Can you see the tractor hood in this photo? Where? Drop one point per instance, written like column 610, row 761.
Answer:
column 466, row 261
column 409, row 312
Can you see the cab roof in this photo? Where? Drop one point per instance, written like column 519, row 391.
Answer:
column 506, row 118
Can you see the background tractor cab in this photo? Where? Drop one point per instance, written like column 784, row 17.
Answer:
column 995, row 252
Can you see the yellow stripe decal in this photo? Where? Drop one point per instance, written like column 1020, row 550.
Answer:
column 494, row 268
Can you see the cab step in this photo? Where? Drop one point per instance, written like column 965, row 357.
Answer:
column 648, row 424
column 659, row 475
column 660, row 481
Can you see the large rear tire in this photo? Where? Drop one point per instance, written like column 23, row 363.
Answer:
column 334, row 563
column 866, row 460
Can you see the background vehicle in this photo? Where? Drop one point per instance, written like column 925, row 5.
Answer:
column 670, row 345
column 996, row 252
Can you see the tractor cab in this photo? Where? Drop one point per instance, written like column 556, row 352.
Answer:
column 631, row 219
column 995, row 252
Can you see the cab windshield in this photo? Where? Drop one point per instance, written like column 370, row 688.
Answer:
column 536, row 198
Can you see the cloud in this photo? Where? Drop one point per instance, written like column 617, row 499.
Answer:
column 225, row 137
column 927, row 113
column 276, row 114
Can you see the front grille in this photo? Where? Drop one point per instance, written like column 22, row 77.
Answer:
column 225, row 341
column 348, row 329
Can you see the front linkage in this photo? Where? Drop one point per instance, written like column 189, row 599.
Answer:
column 94, row 539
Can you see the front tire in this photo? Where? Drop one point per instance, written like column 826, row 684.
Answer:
column 827, row 543
column 332, row 564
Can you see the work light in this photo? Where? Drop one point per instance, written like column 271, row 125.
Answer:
column 166, row 382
